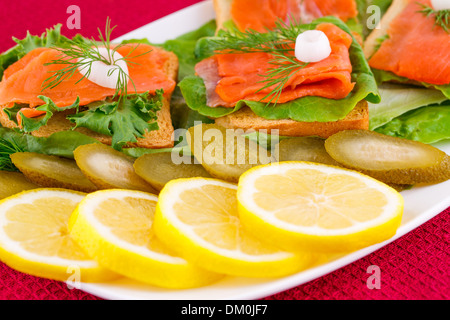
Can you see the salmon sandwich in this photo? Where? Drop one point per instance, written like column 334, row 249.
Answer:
column 409, row 55
column 118, row 94
column 298, row 79
column 396, row 50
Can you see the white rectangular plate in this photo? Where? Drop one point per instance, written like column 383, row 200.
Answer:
column 421, row 204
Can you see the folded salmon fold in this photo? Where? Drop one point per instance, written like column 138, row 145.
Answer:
column 415, row 48
column 23, row 81
column 231, row 77
column 261, row 14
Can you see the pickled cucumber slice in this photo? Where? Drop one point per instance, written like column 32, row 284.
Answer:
column 13, row 182
column 225, row 153
column 159, row 168
column 109, row 169
column 310, row 149
column 52, row 171
column 389, row 159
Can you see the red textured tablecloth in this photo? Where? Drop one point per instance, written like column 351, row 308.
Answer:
column 415, row 266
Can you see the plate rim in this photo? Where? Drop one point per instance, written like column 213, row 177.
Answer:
column 289, row 282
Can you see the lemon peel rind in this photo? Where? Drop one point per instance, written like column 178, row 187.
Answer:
column 321, row 244
column 199, row 252
column 293, row 238
column 130, row 260
column 49, row 267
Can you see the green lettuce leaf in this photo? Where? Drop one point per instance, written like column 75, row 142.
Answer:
column 428, row 124
column 32, row 124
column 124, row 120
column 206, row 30
column 143, row 41
column 399, row 99
column 58, row 144
column 307, row 109
column 385, row 76
column 184, row 117
column 184, row 47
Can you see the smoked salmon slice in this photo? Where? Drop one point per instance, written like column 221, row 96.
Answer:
column 415, row 48
column 23, row 80
column 232, row 77
column 261, row 14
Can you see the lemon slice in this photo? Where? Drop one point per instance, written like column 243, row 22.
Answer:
column 115, row 228
column 322, row 208
column 34, row 238
column 198, row 218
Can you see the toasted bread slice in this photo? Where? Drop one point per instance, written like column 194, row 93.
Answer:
column 246, row 119
column 371, row 43
column 161, row 138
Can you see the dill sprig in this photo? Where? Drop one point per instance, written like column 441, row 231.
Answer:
column 284, row 66
column 441, row 17
column 8, row 147
column 278, row 42
column 79, row 55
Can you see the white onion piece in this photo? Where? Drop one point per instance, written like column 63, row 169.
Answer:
column 440, row 4
column 102, row 74
column 312, row 46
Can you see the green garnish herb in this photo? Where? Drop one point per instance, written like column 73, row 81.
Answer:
column 124, row 120
column 79, row 55
column 278, row 42
column 441, row 17
column 8, row 147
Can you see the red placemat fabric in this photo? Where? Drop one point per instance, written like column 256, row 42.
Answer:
column 415, row 266
column 16, row 17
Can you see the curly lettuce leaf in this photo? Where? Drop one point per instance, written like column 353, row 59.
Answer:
column 398, row 99
column 32, row 124
column 307, row 109
column 58, row 144
column 125, row 120
column 428, row 124
column 206, row 30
